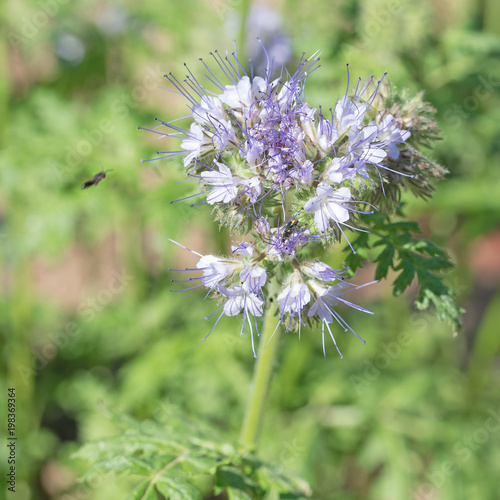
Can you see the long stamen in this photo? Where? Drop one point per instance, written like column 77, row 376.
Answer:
column 208, row 317
column 212, row 329
column 186, row 289
column 333, row 338
column 185, row 248
column 187, row 197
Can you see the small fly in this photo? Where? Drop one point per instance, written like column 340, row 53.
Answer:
column 97, row 178
column 289, row 229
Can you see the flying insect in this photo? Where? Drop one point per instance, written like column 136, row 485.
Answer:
column 97, row 178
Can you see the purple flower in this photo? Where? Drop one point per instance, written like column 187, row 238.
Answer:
column 252, row 188
column 322, row 271
column 254, row 278
column 339, row 170
column 245, row 93
column 323, row 134
column 217, row 270
column 348, row 115
column 243, row 248
column 224, row 185
column 329, row 204
column 239, row 299
column 262, row 226
column 252, row 151
column 209, row 111
column 195, row 143
column 293, row 298
column 390, row 134
column 363, row 148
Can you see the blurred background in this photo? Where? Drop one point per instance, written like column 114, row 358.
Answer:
column 86, row 316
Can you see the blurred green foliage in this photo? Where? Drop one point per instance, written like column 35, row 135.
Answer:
column 86, row 315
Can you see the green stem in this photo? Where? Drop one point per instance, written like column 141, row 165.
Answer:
column 254, row 412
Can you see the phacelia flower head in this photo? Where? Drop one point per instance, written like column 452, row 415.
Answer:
column 290, row 177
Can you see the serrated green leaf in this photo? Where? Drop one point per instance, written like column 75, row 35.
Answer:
column 143, row 491
column 385, row 260
column 445, row 307
column 140, row 466
column 415, row 257
column 405, row 226
column 404, row 279
column 127, row 444
column 232, row 477
column 202, row 463
column 354, row 261
column 430, row 283
column 427, row 246
column 289, row 486
column 176, row 489
column 115, row 465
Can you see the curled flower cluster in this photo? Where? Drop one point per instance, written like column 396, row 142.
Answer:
column 288, row 175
